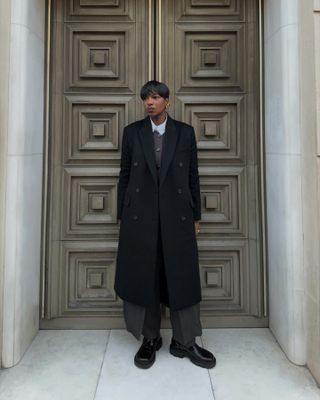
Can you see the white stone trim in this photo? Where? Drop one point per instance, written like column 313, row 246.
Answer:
column 22, row 238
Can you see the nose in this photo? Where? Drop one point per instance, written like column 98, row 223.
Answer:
column 149, row 101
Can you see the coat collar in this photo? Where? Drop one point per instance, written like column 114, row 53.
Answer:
column 168, row 146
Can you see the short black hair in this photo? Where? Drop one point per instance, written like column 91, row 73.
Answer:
column 154, row 87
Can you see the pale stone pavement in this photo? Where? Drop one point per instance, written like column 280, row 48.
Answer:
column 98, row 365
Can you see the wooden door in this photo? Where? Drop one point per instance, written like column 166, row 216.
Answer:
column 102, row 53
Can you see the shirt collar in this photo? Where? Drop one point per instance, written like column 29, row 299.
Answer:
column 160, row 128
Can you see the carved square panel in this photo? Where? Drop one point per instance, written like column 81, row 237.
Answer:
column 90, row 198
column 214, row 10
column 210, row 57
column 218, row 276
column 99, row 130
column 224, row 278
column 218, row 122
column 223, row 202
column 102, row 9
column 97, row 57
column 93, row 128
column 88, row 272
column 100, row 59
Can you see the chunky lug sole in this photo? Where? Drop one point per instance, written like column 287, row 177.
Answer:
column 149, row 363
column 200, row 363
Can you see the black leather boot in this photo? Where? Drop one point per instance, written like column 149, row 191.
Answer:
column 146, row 354
column 198, row 355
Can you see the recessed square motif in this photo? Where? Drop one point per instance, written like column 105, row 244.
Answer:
column 212, row 200
column 98, row 57
column 214, row 127
column 223, row 276
column 100, row 9
column 97, row 3
column 88, row 273
column 223, row 207
column 210, row 57
column 213, row 10
column 95, row 279
column 97, row 201
column 206, row 3
column 90, row 200
column 99, row 128
column 214, row 278
column 102, row 61
column 218, row 123
column 211, row 127
column 93, row 129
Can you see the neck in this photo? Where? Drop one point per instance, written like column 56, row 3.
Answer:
column 159, row 119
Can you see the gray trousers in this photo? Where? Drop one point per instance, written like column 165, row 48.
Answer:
column 185, row 323
column 139, row 320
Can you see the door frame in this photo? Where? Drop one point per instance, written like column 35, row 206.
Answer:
column 98, row 321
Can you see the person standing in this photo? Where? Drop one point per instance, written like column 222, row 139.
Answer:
column 159, row 209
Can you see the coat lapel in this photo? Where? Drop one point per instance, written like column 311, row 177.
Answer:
column 146, row 138
column 168, row 147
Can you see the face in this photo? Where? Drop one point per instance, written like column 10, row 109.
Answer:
column 155, row 105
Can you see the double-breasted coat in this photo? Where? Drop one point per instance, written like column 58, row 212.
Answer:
column 143, row 202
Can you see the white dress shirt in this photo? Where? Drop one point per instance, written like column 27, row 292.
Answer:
column 160, row 128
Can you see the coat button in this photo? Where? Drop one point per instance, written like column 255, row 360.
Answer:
column 135, row 163
column 180, row 164
column 179, row 190
column 137, row 190
column 135, row 217
column 183, row 217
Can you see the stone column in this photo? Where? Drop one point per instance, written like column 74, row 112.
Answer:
column 23, row 177
column 283, row 134
column 310, row 97
column 4, row 98
column 292, row 74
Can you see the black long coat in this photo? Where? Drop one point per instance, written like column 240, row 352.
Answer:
column 141, row 199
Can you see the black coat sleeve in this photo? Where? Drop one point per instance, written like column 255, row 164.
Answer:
column 194, row 178
column 125, row 167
